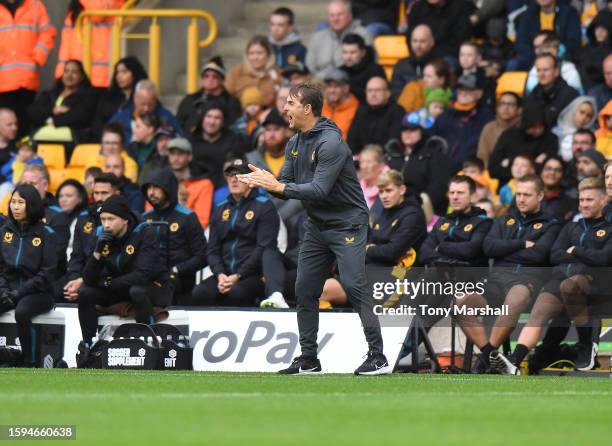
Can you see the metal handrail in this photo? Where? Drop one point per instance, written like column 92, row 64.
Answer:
column 84, row 27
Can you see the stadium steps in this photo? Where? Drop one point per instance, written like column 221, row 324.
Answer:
column 236, row 26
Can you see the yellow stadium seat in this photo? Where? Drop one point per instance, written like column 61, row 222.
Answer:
column 513, row 81
column 85, row 155
column 58, row 176
column 53, row 155
column 390, row 49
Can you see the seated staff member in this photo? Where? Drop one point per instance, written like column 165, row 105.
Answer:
column 519, row 243
column 395, row 235
column 28, row 263
column 242, row 227
column 455, row 241
column 105, row 185
column 125, row 266
column 579, row 252
column 184, row 241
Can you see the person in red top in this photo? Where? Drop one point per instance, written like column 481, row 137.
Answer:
column 340, row 104
column 27, row 38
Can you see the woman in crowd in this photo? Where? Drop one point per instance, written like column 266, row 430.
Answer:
column 28, row 263
column 65, row 113
column 581, row 113
column 371, row 165
column 436, row 74
column 556, row 202
column 128, row 72
column 257, row 70
column 145, row 144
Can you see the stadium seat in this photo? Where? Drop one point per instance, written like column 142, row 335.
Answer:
column 513, row 81
column 85, row 155
column 390, row 49
column 53, row 155
column 58, row 176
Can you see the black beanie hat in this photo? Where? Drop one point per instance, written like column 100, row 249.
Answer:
column 117, row 205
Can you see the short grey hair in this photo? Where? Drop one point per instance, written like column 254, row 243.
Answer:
column 146, row 85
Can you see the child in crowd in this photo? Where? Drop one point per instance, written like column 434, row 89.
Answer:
column 252, row 104
column 436, row 101
column 521, row 165
column 13, row 169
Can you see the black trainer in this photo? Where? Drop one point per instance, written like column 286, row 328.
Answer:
column 502, row 364
column 375, row 364
column 302, row 365
column 586, row 354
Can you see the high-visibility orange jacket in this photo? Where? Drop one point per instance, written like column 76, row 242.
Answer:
column 71, row 46
column 25, row 43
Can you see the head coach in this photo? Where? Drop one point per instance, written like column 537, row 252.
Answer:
column 319, row 171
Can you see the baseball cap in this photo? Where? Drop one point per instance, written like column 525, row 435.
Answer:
column 181, row 144
column 470, row 81
column 238, row 165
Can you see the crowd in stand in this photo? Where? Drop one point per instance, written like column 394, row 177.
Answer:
column 439, row 113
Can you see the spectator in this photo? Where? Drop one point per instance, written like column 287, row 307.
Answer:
column 71, row 46
column 212, row 142
column 114, row 164
column 65, row 112
column 552, row 91
column 532, row 137
column 324, row 48
column 285, row 40
column 270, row 155
column 212, row 77
column 72, row 199
column 556, row 203
column 545, row 15
column 143, row 144
column 257, row 70
column 582, row 140
column 340, row 104
column 592, row 55
column 12, row 170
column 437, row 74
column 422, row 50
column 487, row 11
column 603, row 92
column 199, row 189
column 521, row 166
column 297, row 73
column 376, row 121
column 146, row 101
column 159, row 158
column 547, row 42
column 604, row 133
column 27, row 266
column 461, row 124
column 379, row 17
column 128, row 72
column 183, row 247
column 248, row 124
column 8, row 134
column 436, row 101
column 423, row 161
column 470, row 62
column 112, row 143
column 91, row 173
column 508, row 115
column 242, row 227
column 38, row 176
column 579, row 114
column 497, row 49
column 27, row 37
column 449, row 21
column 371, row 165
column 358, row 62
column 589, row 164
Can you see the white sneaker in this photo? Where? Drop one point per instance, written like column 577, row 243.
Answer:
column 502, row 365
column 276, row 300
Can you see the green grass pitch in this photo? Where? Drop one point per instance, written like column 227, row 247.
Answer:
column 174, row 408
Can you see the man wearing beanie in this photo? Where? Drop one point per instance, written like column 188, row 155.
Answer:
column 589, row 163
column 183, row 241
column 213, row 89
column 125, row 267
